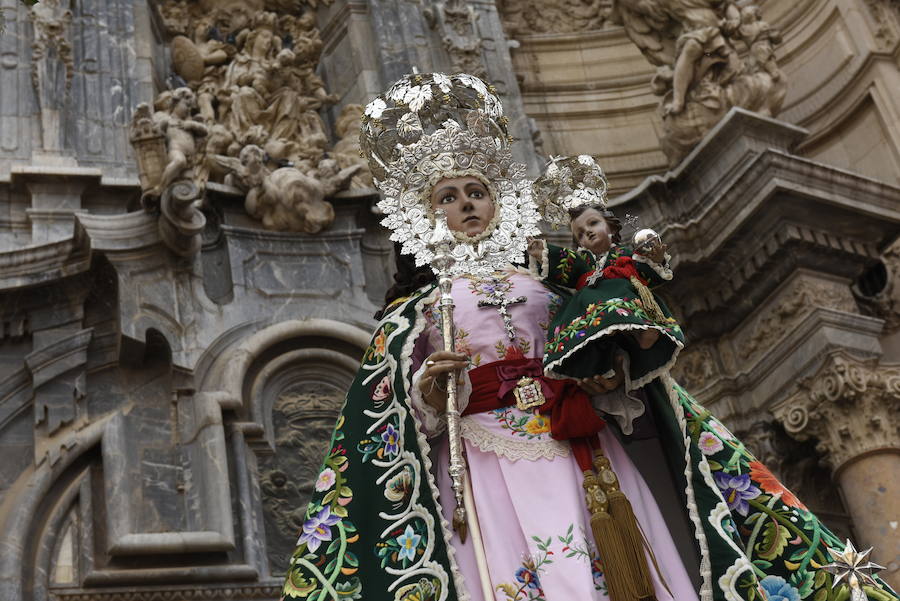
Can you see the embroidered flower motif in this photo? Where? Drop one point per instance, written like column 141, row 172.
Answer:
column 417, row 96
column 408, row 542
column 736, row 490
column 769, row 483
column 538, row 425
column 777, row 589
column 325, row 480
column 379, row 343
column 621, row 311
column 375, row 108
column 398, row 487
column 317, row 529
column 382, row 390
column 391, row 440
column 528, row 577
column 721, row 430
column 709, row 443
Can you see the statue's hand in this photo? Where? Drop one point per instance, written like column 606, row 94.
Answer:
column 433, row 382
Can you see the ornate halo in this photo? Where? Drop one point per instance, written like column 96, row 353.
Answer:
column 428, row 127
column 569, row 183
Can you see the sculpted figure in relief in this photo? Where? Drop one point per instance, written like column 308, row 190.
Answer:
column 696, row 46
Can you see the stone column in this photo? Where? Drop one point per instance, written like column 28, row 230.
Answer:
column 55, row 198
column 851, row 407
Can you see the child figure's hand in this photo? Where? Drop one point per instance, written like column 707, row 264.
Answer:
column 536, row 248
column 656, row 253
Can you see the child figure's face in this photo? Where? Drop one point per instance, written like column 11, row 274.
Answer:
column 592, row 231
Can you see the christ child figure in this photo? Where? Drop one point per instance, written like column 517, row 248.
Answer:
column 613, row 308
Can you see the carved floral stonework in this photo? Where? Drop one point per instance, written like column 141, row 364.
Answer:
column 886, row 17
column 792, row 307
column 524, row 17
column 346, row 150
column 252, row 68
column 303, row 420
column 710, row 55
column 695, row 367
column 849, row 406
column 456, row 22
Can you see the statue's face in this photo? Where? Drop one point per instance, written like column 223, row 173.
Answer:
column 467, row 203
column 592, row 231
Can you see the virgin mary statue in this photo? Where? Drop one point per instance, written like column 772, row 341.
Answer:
column 555, row 509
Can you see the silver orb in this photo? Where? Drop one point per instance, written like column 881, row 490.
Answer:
column 646, row 239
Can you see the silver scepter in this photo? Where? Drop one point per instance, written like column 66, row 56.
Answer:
column 440, row 243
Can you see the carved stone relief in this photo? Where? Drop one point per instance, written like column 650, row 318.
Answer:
column 346, row 151
column 884, row 302
column 456, row 22
column 795, row 304
column 849, row 406
column 886, row 15
column 556, row 16
column 303, row 419
column 52, row 65
column 253, row 73
column 695, row 367
column 710, row 56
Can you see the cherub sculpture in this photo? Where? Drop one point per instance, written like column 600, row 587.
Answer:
column 700, row 74
column 287, row 199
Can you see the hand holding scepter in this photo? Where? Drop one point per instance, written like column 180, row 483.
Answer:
column 440, row 243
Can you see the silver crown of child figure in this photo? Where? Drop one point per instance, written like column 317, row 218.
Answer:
column 569, row 183
column 431, row 126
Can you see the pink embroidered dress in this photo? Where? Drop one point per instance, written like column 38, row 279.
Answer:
column 527, row 487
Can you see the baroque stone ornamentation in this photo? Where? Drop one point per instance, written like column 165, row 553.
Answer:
column 702, row 69
column 52, row 65
column 695, row 367
column 850, row 406
column 287, row 199
column 253, row 71
column 886, row 302
column 793, row 306
column 457, row 23
column 170, row 148
column 556, row 16
column 303, row 420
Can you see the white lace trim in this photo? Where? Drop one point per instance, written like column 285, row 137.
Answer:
column 706, row 589
column 663, row 271
column 508, row 447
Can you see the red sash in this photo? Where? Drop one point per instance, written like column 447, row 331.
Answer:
column 572, row 417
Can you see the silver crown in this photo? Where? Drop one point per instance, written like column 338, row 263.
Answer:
column 428, row 127
column 569, row 183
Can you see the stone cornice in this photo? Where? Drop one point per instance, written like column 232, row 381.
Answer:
column 34, row 265
column 123, row 232
column 250, row 592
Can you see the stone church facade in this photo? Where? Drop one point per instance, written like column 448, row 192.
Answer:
column 176, row 341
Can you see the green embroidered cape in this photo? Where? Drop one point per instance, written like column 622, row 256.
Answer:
column 373, row 529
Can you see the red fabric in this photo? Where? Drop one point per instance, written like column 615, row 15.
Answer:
column 624, row 268
column 572, row 417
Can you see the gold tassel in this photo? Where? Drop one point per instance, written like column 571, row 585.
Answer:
column 650, row 305
column 609, row 541
column 637, row 570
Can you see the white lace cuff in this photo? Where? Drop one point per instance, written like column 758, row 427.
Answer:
column 434, row 422
column 663, row 271
column 540, row 270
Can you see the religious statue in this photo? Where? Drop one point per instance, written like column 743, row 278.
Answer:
column 346, row 150
column 700, row 73
column 511, row 486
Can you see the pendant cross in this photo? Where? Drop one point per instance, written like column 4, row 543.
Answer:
column 497, row 299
